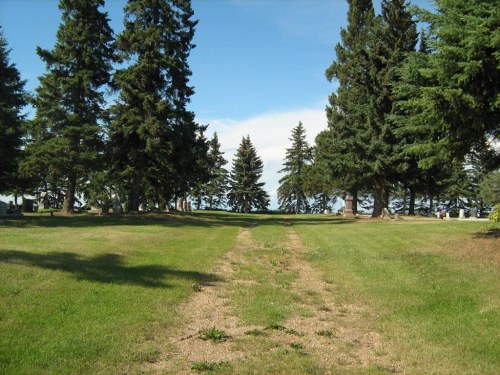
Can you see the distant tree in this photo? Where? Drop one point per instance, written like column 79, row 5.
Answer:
column 291, row 195
column 155, row 142
column 66, row 135
column 245, row 191
column 319, row 185
column 12, row 100
column 490, row 188
column 216, row 188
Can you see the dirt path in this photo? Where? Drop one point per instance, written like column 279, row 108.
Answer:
column 329, row 332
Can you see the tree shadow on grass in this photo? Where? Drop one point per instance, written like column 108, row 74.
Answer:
column 203, row 219
column 105, row 268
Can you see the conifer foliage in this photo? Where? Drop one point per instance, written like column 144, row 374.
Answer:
column 216, row 187
column 12, row 100
column 156, row 144
column 291, row 192
column 245, row 191
column 66, row 136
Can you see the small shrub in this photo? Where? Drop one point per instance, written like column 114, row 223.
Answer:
column 208, row 366
column 256, row 332
column 495, row 214
column 325, row 333
column 275, row 327
column 297, row 345
column 196, row 287
column 214, row 334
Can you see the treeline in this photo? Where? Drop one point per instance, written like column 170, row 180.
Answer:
column 415, row 117
column 143, row 149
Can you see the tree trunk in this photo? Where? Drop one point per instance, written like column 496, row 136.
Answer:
column 411, row 207
column 135, row 191
column 354, row 201
column 69, row 197
column 379, row 198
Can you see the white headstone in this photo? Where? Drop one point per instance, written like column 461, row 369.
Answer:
column 461, row 214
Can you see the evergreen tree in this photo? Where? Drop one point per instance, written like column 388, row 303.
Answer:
column 371, row 51
column 216, row 187
column 343, row 146
column 66, row 138
column 460, row 102
column 12, row 100
column 319, row 186
column 154, row 139
column 291, row 195
column 245, row 190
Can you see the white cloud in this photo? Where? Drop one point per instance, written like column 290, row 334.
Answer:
column 269, row 133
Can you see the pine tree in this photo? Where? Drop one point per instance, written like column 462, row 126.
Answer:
column 361, row 136
column 245, row 191
column 154, row 139
column 66, row 138
column 318, row 185
column 12, row 100
column 343, row 146
column 460, row 100
column 291, row 195
column 216, row 187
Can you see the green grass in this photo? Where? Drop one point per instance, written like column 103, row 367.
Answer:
column 89, row 295
column 431, row 289
column 100, row 295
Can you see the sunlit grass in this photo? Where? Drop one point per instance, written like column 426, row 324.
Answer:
column 89, row 295
column 430, row 289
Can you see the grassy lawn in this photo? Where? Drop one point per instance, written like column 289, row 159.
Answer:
column 97, row 295
column 100, row 295
column 431, row 289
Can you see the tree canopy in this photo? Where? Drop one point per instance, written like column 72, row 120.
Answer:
column 12, row 101
column 246, row 193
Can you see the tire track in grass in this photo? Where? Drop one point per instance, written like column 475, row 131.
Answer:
column 329, row 334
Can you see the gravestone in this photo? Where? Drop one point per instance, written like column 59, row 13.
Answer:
column 397, row 217
column 348, row 206
column 461, row 214
column 28, row 205
column 3, row 208
column 473, row 213
column 117, row 208
column 385, row 214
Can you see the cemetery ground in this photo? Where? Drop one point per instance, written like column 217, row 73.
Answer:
column 229, row 293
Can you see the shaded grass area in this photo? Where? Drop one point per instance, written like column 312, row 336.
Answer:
column 91, row 296
column 431, row 289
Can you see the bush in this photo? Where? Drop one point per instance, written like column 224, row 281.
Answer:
column 495, row 214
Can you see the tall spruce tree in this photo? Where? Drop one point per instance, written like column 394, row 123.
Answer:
column 66, row 136
column 371, row 51
column 12, row 100
column 154, row 139
column 291, row 195
column 215, row 189
column 460, row 103
column 245, row 191
column 343, row 146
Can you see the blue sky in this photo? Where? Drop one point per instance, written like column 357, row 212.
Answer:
column 258, row 66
